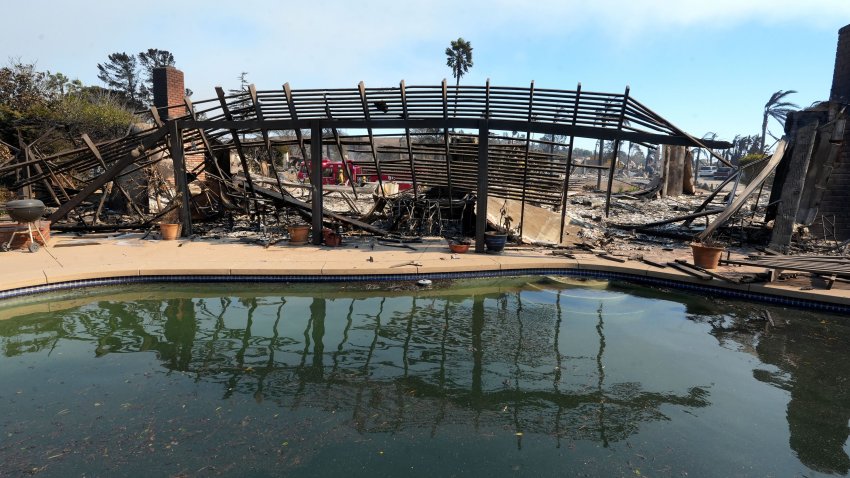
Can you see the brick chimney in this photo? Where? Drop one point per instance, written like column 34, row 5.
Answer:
column 841, row 76
column 168, row 91
column 836, row 196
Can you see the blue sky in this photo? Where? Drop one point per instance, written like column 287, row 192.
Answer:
column 705, row 66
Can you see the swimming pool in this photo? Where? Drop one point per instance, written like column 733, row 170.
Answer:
column 501, row 377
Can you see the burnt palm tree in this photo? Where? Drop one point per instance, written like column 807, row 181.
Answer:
column 710, row 136
column 777, row 109
column 459, row 58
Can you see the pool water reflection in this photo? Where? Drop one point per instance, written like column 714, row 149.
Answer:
column 506, row 377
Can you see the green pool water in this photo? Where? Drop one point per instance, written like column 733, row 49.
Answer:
column 528, row 376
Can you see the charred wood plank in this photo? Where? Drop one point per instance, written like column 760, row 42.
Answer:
column 107, row 176
column 237, row 143
column 93, row 148
column 748, row 191
column 306, row 210
column 689, row 271
column 615, row 153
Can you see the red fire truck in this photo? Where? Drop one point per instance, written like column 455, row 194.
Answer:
column 333, row 172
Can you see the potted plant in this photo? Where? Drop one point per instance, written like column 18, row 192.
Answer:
column 495, row 240
column 458, row 246
column 169, row 225
column 707, row 253
column 298, row 234
column 331, row 237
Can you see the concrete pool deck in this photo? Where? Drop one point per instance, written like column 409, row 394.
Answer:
column 71, row 259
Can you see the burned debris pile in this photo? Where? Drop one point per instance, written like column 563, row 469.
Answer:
column 252, row 164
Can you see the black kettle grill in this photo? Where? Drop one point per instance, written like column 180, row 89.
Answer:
column 25, row 211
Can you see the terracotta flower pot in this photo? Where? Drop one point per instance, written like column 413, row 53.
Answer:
column 169, row 232
column 458, row 248
column 707, row 257
column 298, row 234
column 331, row 238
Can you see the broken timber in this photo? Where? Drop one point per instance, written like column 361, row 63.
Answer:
column 748, row 191
column 306, row 210
column 225, row 124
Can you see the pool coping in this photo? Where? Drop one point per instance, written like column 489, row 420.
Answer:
column 130, row 259
column 740, row 292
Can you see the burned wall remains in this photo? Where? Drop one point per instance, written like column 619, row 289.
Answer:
column 833, row 209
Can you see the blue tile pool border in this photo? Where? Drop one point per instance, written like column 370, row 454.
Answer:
column 654, row 281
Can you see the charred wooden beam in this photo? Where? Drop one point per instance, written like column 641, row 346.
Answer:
column 108, row 175
column 238, row 144
column 96, row 153
column 446, row 142
column 361, row 87
column 756, row 182
column 615, row 153
column 258, row 110
column 561, row 129
column 483, row 185
column 525, row 160
column 316, row 179
column 346, row 165
column 190, row 107
column 180, row 179
column 568, row 166
column 403, row 92
column 307, row 211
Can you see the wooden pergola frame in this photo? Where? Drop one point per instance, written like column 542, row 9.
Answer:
column 224, row 121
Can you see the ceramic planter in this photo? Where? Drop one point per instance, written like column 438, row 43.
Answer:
column 298, row 234
column 169, row 231
column 707, row 257
column 495, row 242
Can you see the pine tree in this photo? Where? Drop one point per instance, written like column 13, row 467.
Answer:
column 121, row 75
column 150, row 59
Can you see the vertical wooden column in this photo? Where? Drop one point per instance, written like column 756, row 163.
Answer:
column 180, row 180
column 316, row 178
column 616, row 153
column 569, row 166
column 483, row 184
column 525, row 162
column 446, row 146
column 403, row 92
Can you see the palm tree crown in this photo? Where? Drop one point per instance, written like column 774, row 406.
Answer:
column 777, row 109
column 459, row 57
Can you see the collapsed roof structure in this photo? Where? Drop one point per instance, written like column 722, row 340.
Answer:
column 196, row 133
